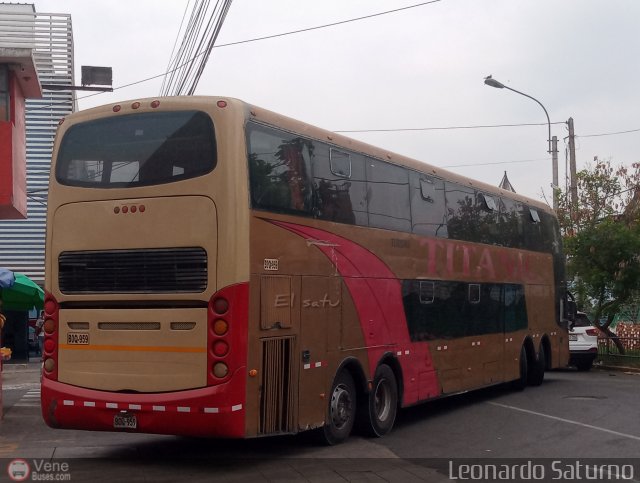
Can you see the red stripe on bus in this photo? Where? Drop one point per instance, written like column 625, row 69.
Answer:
column 377, row 295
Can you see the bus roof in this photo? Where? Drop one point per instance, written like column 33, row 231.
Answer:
column 266, row 116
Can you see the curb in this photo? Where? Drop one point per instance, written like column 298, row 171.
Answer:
column 33, row 366
column 629, row 369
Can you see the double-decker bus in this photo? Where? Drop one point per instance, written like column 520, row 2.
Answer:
column 216, row 269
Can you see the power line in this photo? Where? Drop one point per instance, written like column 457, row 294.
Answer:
column 243, row 42
column 342, row 22
column 175, row 42
column 480, row 126
column 608, row 133
column 494, row 163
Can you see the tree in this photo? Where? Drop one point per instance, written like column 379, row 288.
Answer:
column 602, row 239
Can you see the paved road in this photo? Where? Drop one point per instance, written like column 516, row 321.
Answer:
column 572, row 415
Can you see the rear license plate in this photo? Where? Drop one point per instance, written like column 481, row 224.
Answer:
column 125, row 421
column 573, row 336
column 78, row 338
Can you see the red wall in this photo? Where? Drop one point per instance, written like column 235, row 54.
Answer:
column 13, row 157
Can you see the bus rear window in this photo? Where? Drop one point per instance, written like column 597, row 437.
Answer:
column 137, row 150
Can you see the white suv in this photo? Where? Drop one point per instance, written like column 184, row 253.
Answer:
column 583, row 343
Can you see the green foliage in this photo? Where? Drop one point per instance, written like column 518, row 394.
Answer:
column 602, row 238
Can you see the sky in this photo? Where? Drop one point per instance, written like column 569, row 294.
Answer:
column 414, row 69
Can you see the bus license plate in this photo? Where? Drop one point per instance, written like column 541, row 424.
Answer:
column 573, row 336
column 125, row 421
column 78, row 338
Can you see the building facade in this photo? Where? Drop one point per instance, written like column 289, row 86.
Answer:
column 22, row 242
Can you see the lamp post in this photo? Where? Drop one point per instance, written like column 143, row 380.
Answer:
column 490, row 81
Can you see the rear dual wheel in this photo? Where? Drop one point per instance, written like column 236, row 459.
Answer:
column 376, row 414
column 536, row 374
column 342, row 409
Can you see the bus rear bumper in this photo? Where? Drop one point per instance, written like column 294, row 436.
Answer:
column 216, row 411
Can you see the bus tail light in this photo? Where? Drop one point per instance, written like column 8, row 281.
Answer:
column 220, row 305
column 220, row 327
column 220, row 348
column 227, row 332
column 220, row 370
column 50, row 345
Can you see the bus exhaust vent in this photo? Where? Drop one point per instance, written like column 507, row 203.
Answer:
column 276, row 401
column 153, row 270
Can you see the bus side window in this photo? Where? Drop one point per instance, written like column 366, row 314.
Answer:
column 427, row 205
column 388, row 196
column 487, row 216
column 340, row 186
column 533, row 234
column 515, row 309
column 279, row 170
column 463, row 222
column 511, row 223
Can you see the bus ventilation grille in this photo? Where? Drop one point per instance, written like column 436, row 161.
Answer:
column 276, row 402
column 151, row 270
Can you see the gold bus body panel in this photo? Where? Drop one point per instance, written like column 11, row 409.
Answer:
column 144, row 350
column 165, row 223
column 133, row 356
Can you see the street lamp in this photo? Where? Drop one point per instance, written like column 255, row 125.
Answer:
column 490, row 81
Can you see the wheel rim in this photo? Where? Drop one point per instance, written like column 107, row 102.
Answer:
column 341, row 405
column 382, row 400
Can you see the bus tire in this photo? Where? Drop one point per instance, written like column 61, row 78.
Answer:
column 382, row 402
column 342, row 409
column 536, row 374
column 520, row 383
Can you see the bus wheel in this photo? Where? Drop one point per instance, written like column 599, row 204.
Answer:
column 536, row 374
column 383, row 402
column 520, row 383
column 342, row 409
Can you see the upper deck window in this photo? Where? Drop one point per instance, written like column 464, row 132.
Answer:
column 137, row 150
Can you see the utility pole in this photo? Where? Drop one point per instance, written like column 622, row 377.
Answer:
column 554, row 160
column 572, row 167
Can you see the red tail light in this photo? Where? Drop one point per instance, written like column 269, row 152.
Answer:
column 593, row 332
column 227, row 329
column 50, row 346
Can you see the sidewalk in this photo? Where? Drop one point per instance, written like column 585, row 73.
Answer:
column 20, row 373
column 22, row 366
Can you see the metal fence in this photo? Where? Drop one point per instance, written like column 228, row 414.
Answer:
column 607, row 349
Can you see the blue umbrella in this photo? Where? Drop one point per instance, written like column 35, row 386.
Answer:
column 7, row 278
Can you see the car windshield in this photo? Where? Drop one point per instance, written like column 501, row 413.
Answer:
column 582, row 321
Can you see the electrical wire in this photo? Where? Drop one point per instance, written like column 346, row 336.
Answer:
column 189, row 62
column 342, row 22
column 242, row 42
column 608, row 133
column 175, row 42
column 495, row 163
column 480, row 126
column 207, row 51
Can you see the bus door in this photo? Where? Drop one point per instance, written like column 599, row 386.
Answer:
column 320, row 309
